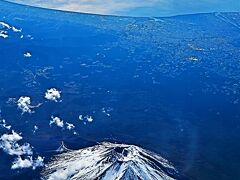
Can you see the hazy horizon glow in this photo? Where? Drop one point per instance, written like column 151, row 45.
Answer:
column 137, row 7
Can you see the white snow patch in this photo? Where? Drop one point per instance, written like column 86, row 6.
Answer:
column 53, row 94
column 38, row 162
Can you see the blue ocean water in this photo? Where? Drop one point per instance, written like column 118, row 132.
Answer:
column 170, row 85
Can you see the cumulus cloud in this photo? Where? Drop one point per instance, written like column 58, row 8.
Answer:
column 3, row 123
column 60, row 123
column 11, row 137
column 53, row 94
column 3, row 34
column 28, row 162
column 4, row 27
column 24, row 103
column 86, row 118
column 70, row 126
column 27, row 55
column 89, row 118
column 57, row 121
column 9, row 144
column 20, row 163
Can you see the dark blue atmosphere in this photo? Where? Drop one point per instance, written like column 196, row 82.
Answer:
column 170, row 85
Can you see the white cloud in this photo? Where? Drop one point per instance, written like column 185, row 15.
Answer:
column 89, row 118
column 20, row 163
column 60, row 123
column 53, row 94
column 11, row 137
column 193, row 58
column 80, row 117
column 4, row 124
column 35, row 129
column 86, row 118
column 57, row 121
column 24, row 103
column 9, row 144
column 38, row 162
column 70, row 126
column 28, row 162
column 5, row 25
column 3, row 34
column 16, row 30
column 106, row 111
column 8, row 27
column 27, row 55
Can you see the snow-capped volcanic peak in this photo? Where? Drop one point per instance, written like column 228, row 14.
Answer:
column 108, row 161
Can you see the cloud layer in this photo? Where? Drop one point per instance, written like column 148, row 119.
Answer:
column 137, row 7
column 91, row 6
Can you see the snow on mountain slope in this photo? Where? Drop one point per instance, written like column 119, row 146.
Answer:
column 108, row 161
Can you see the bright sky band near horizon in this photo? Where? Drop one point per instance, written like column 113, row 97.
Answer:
column 138, row 7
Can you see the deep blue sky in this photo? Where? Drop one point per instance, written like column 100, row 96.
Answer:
column 138, row 7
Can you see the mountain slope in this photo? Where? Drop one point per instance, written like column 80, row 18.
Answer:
column 110, row 161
